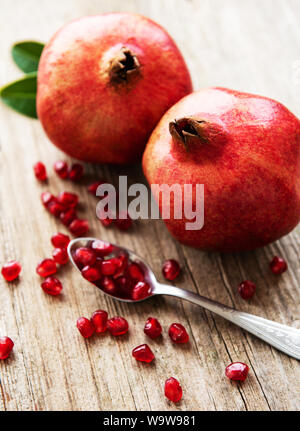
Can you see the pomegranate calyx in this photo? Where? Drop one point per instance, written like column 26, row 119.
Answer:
column 188, row 130
column 123, row 65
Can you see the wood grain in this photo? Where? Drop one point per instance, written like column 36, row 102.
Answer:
column 251, row 46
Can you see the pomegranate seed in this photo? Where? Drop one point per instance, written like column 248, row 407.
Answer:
column 55, row 208
column 237, row 371
column 40, row 171
column 47, row 198
column 117, row 326
column 123, row 262
column 152, row 328
column 102, row 248
column 123, row 223
column 278, row 265
column 173, row 390
column 79, row 227
column 99, row 321
column 106, row 221
column 90, row 273
column 85, row 327
column 171, row 269
column 6, row 346
column 246, row 289
column 140, row 291
column 109, row 267
column 124, row 284
column 136, row 272
column 178, row 334
column 143, row 353
column 76, row 172
column 84, row 256
column 11, row 270
column 68, row 199
column 60, row 240
column 46, row 267
column 52, row 286
column 60, row 256
column 108, row 285
column 92, row 188
column 61, row 168
column 68, row 216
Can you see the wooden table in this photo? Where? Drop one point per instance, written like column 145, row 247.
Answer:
column 251, row 46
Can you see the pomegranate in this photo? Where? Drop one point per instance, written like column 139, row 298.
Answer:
column 40, row 171
column 152, row 328
column 143, row 353
column 104, row 82
column 246, row 289
column 52, row 286
column 11, row 270
column 61, row 168
column 278, row 265
column 245, row 150
column 99, row 321
column 60, row 255
column 85, row 327
column 117, row 326
column 237, row 371
column 60, row 240
column 178, row 333
column 171, row 269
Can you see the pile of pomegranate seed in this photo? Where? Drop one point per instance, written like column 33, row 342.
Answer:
column 6, row 346
column 178, row 333
column 40, row 171
column 64, row 207
column 99, row 323
column 246, row 289
column 171, row 269
column 173, row 390
column 143, row 353
column 278, row 265
column 11, row 270
column 237, row 371
column 113, row 273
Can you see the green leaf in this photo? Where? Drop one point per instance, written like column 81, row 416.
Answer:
column 21, row 95
column 27, row 54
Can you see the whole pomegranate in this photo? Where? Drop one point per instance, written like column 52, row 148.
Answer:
column 103, row 84
column 245, row 149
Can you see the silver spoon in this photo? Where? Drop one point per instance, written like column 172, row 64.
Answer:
column 284, row 338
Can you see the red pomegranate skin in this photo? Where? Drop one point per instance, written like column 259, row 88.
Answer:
column 86, row 106
column 247, row 155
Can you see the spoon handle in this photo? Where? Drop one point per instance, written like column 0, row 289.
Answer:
column 284, row 338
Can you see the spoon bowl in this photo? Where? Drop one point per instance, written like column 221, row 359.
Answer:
column 282, row 337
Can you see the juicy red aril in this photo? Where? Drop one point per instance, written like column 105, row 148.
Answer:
column 60, row 240
column 109, row 267
column 52, row 286
column 46, row 267
column 68, row 216
column 84, row 256
column 143, row 353
column 40, row 171
column 60, row 256
column 140, row 291
column 152, row 328
column 6, row 346
column 123, row 223
column 178, row 334
column 90, row 273
column 237, row 371
column 122, row 265
column 76, row 172
column 92, row 188
column 11, row 270
column 102, row 248
column 173, row 390
column 135, row 272
column 106, row 221
column 85, row 327
column 99, row 321
column 79, row 227
column 246, row 289
column 61, row 168
column 68, row 199
column 117, row 326
column 47, row 198
column 278, row 265
column 108, row 285
column 124, row 283
column 55, row 208
column 170, row 269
